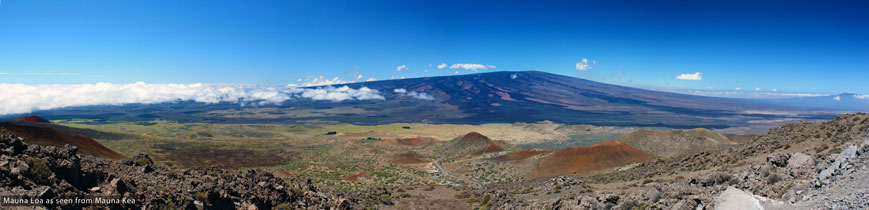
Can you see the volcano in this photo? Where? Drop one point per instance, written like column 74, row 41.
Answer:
column 493, row 97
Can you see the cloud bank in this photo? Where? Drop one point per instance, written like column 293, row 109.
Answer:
column 413, row 94
column 321, row 81
column 20, row 98
column 470, row 66
column 694, row 76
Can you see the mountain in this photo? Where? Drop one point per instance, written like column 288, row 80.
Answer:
column 50, row 137
column 839, row 102
column 494, row 97
column 676, row 142
column 588, row 160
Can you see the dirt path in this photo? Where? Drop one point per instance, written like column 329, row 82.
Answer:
column 447, row 173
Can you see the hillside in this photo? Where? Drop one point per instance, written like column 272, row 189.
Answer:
column 800, row 165
column 676, row 142
column 588, row 160
column 31, row 119
column 50, row 137
column 472, row 143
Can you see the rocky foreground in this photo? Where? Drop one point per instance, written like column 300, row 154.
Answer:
column 799, row 165
column 34, row 176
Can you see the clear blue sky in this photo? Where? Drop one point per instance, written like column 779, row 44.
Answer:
column 791, row 46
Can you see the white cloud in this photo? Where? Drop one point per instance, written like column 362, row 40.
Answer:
column 358, row 77
column 837, row 98
column 339, row 94
column 402, row 67
column 20, row 98
column 583, row 64
column 756, row 89
column 442, row 66
column 738, row 88
column 413, row 94
column 322, row 81
column 774, row 90
column 471, row 66
column 457, row 72
column 694, row 76
column 3, row 73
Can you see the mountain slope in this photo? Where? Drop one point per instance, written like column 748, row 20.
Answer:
column 676, row 142
column 51, row 137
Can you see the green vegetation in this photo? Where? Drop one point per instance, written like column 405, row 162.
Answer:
column 170, row 204
column 462, row 195
column 201, row 196
column 38, row 171
column 284, row 206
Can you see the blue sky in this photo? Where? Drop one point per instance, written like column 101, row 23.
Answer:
column 789, row 46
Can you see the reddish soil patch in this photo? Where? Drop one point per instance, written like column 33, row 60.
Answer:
column 474, row 137
column 355, row 177
column 284, row 174
column 520, row 155
column 407, row 158
column 51, row 137
column 413, row 142
column 31, row 119
column 588, row 160
column 489, row 148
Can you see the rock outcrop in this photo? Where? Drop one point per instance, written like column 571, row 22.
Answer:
column 48, row 172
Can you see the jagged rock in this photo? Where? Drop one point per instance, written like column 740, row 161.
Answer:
column 840, row 162
column 778, row 160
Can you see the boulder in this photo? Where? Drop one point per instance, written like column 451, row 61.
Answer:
column 735, row 199
column 799, row 160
